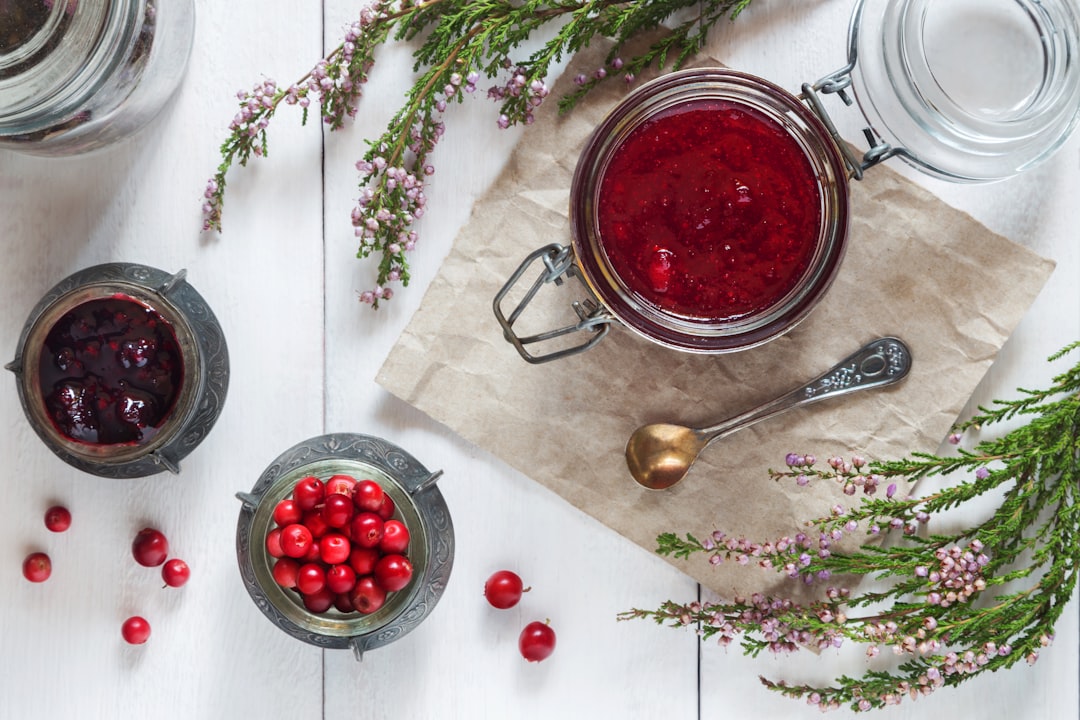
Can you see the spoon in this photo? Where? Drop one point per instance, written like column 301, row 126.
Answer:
column 659, row 455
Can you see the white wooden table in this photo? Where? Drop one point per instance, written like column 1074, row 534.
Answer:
column 304, row 353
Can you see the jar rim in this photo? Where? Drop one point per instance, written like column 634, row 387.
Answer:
column 939, row 95
column 694, row 334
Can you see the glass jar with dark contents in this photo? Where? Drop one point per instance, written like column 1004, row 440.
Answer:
column 76, row 75
column 122, row 370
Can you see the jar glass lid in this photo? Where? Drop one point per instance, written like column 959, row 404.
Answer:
column 969, row 90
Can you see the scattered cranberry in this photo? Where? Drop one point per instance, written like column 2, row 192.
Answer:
column 175, row 572
column 368, row 495
column 537, row 641
column 135, row 630
column 57, row 518
column 393, row 572
column 150, row 547
column 37, row 567
column 503, row 589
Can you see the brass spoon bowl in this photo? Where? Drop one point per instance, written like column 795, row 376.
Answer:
column 659, row 455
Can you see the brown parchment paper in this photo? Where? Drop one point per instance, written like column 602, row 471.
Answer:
column 915, row 268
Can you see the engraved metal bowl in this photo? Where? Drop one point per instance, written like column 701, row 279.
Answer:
column 419, row 504
column 202, row 347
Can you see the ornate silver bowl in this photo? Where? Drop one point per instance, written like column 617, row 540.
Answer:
column 200, row 343
column 419, row 504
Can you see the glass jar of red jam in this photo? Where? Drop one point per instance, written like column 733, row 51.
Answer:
column 122, row 370
column 708, row 213
column 709, row 210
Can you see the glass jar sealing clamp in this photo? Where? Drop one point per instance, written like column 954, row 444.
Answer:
column 122, row 370
column 709, row 210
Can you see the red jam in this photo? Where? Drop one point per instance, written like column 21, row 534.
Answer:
column 110, row 372
column 709, row 210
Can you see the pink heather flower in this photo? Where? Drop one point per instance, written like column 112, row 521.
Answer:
column 954, row 438
column 982, row 473
column 503, row 122
column 802, row 480
column 617, row 63
column 600, row 73
column 891, row 490
column 793, row 460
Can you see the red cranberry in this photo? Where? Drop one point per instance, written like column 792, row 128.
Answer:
column 367, row 596
column 343, row 603
column 318, row 602
column 363, row 560
column 338, row 510
column 316, row 523
column 503, row 589
column 395, row 538
column 37, row 567
column 135, row 630
column 296, row 540
column 150, row 547
column 313, row 554
column 136, row 352
column 368, row 495
column 310, row 578
column 341, row 484
column 334, row 549
column 367, row 530
column 57, row 518
column 537, row 641
column 287, row 512
column 175, row 572
column 273, row 543
column 393, row 572
column 341, row 579
column 309, row 492
column 386, row 510
column 285, row 572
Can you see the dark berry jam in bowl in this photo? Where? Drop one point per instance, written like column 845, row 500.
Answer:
column 417, row 502
column 122, row 370
column 709, row 211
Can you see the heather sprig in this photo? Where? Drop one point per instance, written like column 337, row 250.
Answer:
column 949, row 603
column 458, row 43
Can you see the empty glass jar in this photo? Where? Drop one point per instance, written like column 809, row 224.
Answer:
column 76, row 75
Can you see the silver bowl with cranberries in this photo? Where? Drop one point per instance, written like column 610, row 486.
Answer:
column 345, row 542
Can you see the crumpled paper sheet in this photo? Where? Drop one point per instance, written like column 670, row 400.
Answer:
column 915, row 268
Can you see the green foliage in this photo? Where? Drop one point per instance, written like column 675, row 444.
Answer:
column 953, row 604
column 455, row 38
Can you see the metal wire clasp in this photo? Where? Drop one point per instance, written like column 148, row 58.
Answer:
column 837, row 83
column 558, row 263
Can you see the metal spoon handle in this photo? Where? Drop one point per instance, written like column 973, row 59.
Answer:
column 881, row 362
